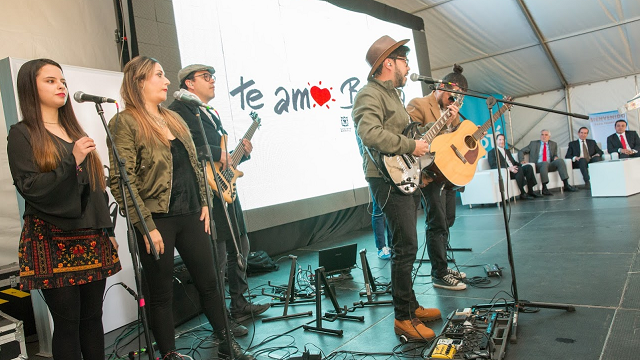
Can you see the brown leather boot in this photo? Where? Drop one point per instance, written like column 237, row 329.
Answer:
column 428, row 314
column 413, row 329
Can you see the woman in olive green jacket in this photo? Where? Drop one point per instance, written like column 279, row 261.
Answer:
column 168, row 184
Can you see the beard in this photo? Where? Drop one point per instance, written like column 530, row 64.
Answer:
column 400, row 80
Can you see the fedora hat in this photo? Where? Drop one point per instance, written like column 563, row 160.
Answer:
column 380, row 50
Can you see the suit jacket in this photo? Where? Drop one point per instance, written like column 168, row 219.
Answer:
column 492, row 159
column 533, row 149
column 574, row 148
column 613, row 141
column 426, row 110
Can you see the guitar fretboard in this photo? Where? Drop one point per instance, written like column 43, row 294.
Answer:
column 439, row 124
column 479, row 134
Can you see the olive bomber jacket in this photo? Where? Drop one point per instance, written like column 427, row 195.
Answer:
column 150, row 169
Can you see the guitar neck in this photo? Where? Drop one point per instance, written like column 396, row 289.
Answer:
column 479, row 134
column 238, row 153
column 439, row 124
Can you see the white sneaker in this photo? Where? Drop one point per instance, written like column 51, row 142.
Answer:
column 384, row 253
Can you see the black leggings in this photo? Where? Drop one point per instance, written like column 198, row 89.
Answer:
column 77, row 320
column 185, row 233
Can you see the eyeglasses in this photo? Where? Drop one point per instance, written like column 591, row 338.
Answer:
column 207, row 76
column 406, row 61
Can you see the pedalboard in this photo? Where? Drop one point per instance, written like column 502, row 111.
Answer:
column 493, row 270
column 473, row 334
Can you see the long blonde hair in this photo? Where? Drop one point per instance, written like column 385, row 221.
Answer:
column 135, row 73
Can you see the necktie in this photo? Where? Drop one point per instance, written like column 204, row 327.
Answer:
column 544, row 153
column 624, row 144
column 585, row 151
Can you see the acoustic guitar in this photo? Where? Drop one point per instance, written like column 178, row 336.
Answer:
column 404, row 170
column 227, row 178
column 457, row 153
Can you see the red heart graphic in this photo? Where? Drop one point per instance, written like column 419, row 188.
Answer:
column 321, row 96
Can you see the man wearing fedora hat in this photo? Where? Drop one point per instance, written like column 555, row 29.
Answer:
column 380, row 118
column 199, row 80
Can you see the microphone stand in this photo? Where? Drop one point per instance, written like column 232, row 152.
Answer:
column 212, row 226
column 239, row 257
column 516, row 304
column 131, row 235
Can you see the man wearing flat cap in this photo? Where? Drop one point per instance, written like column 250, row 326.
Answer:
column 199, row 80
column 380, row 118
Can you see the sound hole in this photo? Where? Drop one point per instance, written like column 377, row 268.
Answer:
column 470, row 142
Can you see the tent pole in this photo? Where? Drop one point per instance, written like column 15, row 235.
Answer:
column 567, row 99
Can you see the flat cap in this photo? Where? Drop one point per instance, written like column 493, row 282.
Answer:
column 186, row 71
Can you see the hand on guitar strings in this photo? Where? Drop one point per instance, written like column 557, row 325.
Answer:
column 453, row 113
column 422, row 147
column 248, row 147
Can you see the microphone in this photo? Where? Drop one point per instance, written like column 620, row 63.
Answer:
column 185, row 96
column 426, row 79
column 81, row 97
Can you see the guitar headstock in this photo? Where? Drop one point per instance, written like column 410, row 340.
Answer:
column 255, row 117
column 458, row 99
column 508, row 98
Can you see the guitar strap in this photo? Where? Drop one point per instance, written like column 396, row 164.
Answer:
column 382, row 174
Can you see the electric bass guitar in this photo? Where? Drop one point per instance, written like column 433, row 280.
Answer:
column 227, row 178
column 457, row 153
column 404, row 170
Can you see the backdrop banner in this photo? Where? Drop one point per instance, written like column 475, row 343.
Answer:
column 603, row 125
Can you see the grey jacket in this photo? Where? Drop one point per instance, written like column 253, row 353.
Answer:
column 533, row 149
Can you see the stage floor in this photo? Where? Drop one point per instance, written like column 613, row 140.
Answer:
column 568, row 248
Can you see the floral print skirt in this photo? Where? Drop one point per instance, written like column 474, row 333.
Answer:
column 53, row 258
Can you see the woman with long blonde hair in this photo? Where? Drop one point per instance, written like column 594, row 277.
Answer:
column 168, row 185
column 67, row 247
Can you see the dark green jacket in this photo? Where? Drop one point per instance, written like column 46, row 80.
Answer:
column 380, row 117
column 150, row 170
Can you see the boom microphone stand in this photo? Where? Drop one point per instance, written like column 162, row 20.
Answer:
column 212, row 226
column 131, row 234
column 517, row 304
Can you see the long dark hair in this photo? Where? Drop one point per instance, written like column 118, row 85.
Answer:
column 47, row 155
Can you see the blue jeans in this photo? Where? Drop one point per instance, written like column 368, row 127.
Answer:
column 379, row 224
column 401, row 213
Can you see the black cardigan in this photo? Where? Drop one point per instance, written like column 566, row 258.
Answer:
column 63, row 196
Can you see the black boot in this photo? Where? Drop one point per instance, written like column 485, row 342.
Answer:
column 227, row 346
column 568, row 187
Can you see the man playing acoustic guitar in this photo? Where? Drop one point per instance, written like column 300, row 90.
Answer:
column 440, row 202
column 200, row 81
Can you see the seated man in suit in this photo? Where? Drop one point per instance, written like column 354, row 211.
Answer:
column 544, row 154
column 516, row 170
column 625, row 143
column 583, row 152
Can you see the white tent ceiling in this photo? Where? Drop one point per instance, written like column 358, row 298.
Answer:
column 522, row 47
